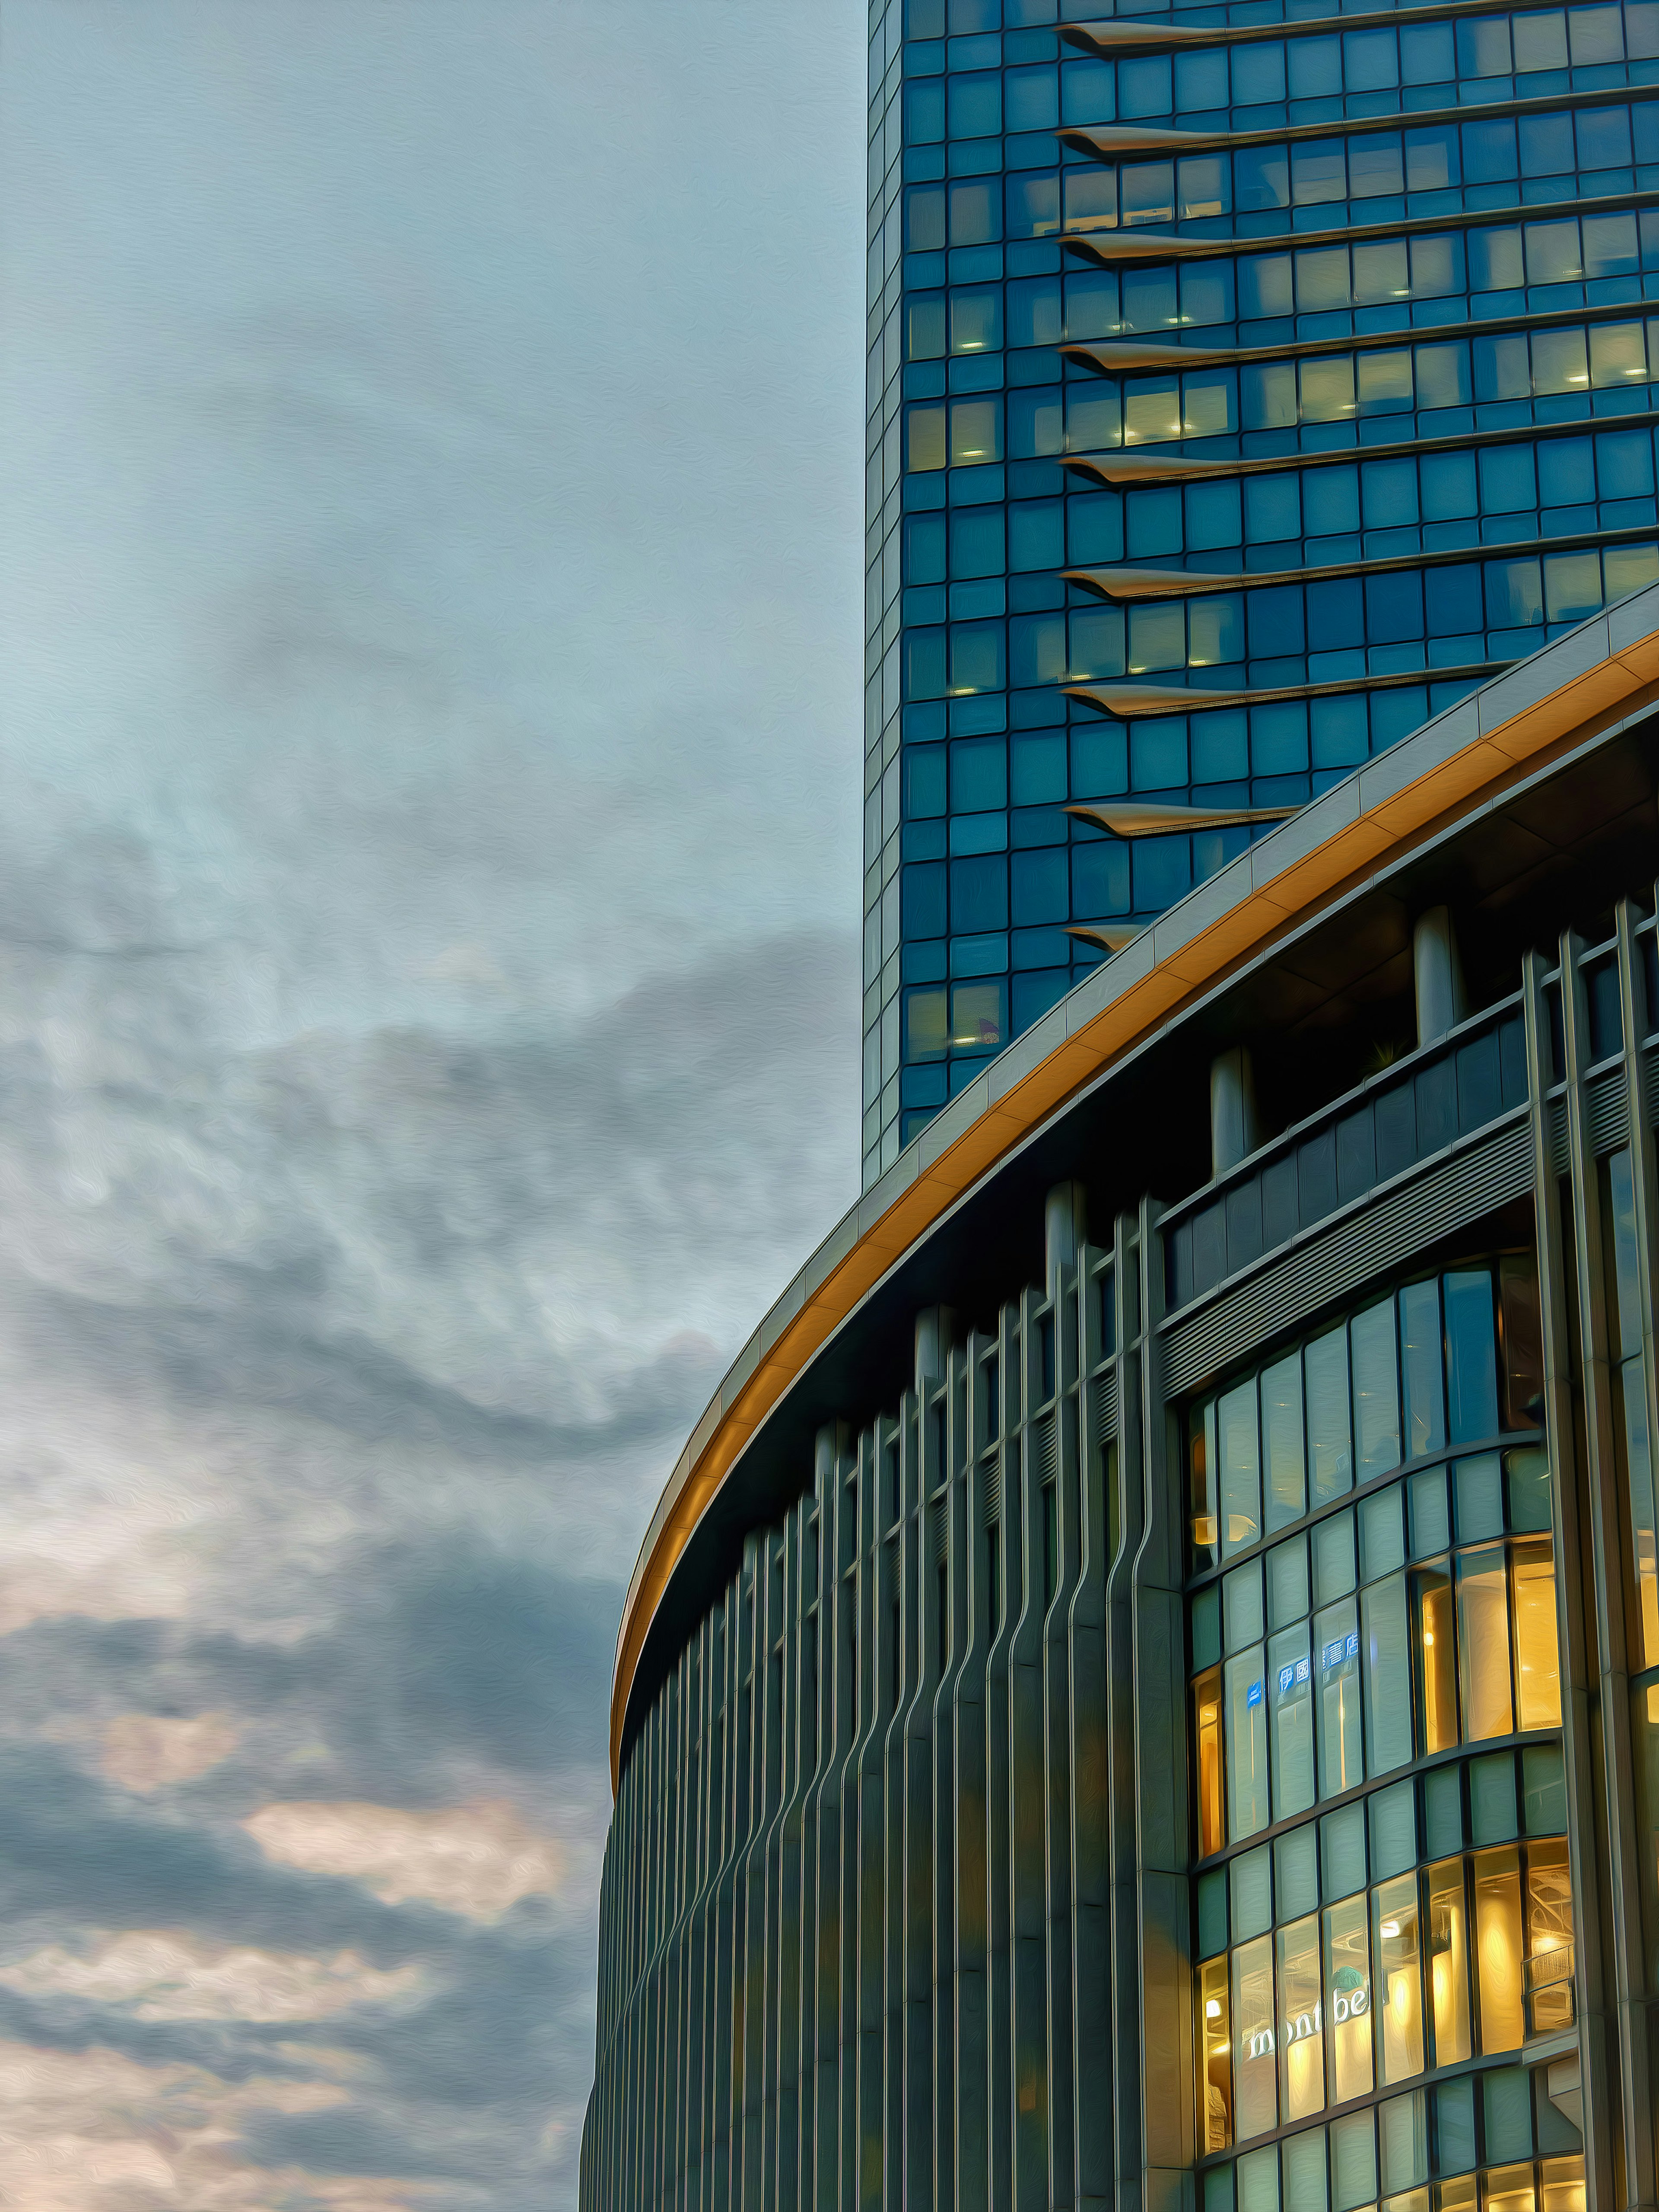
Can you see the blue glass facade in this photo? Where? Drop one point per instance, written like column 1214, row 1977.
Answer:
column 1292, row 359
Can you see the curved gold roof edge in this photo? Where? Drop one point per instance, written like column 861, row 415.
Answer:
column 1596, row 676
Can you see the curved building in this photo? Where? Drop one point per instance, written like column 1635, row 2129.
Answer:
column 1143, row 1687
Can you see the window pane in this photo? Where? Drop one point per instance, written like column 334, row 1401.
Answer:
column 1201, row 1487
column 976, row 320
column 1385, row 381
column 1558, row 363
column 1158, row 640
column 1380, row 272
column 1549, row 1938
column 925, row 1025
column 1538, row 1664
column 925, row 435
column 977, row 1019
column 1618, row 353
column 1348, row 2000
column 1241, row 1607
column 1287, row 1583
column 1323, row 278
column 976, row 431
column 1257, row 2105
column 1573, row 586
column 1148, row 192
column 1483, row 1640
column 1208, row 403
column 1610, row 247
column 1473, row 1380
column 1091, row 200
column 1497, row 1948
column 1336, row 1651
column 1281, row 1425
column 1479, row 1486
column 1205, row 185
column 1437, row 1648
column 1329, row 1458
column 1419, row 1342
column 1552, row 253
column 1290, row 1675
column 1375, row 166
column 1216, row 2114
column 1328, row 388
column 1442, row 376
column 1624, row 1269
column 1399, row 1982
column 925, row 338
column 1240, row 1456
column 1541, row 41
column 1301, row 2056
column 1376, row 1390
column 1034, row 313
column 1247, row 1745
column 1207, row 1727
column 1449, row 1962
column 1388, row 1675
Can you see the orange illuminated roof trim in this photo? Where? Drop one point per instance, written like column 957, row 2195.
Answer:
column 1597, row 676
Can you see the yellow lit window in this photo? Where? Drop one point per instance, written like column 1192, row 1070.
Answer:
column 1449, row 1962
column 1538, row 1659
column 1484, row 1642
column 1497, row 1937
column 1207, row 1708
column 1216, row 2093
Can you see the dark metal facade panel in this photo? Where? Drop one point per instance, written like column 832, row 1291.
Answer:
column 1365, row 1245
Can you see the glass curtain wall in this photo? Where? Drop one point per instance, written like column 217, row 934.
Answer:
column 1376, row 421
column 1383, row 1910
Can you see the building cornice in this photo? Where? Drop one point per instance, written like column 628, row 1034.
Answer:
column 1596, row 676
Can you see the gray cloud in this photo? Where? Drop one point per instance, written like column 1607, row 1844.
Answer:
column 428, row 1012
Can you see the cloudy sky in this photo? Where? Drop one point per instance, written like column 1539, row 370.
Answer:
column 428, row 766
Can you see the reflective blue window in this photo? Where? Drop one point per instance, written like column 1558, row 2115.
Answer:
column 1100, row 880
column 979, row 894
column 1393, row 606
column 979, row 774
column 924, row 781
column 1039, row 887
column 1031, row 98
column 976, row 542
column 923, row 901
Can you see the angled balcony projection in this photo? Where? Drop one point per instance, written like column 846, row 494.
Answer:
column 1107, row 40
column 1130, row 701
column 1139, row 357
column 1107, row 248
column 1110, row 142
column 1169, row 465
column 1110, row 936
column 1129, row 585
column 1152, row 817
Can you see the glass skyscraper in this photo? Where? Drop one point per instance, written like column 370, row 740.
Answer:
column 1246, row 384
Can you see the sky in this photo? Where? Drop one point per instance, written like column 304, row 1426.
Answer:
column 429, row 780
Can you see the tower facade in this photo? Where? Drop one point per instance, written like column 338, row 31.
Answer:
column 1246, row 384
